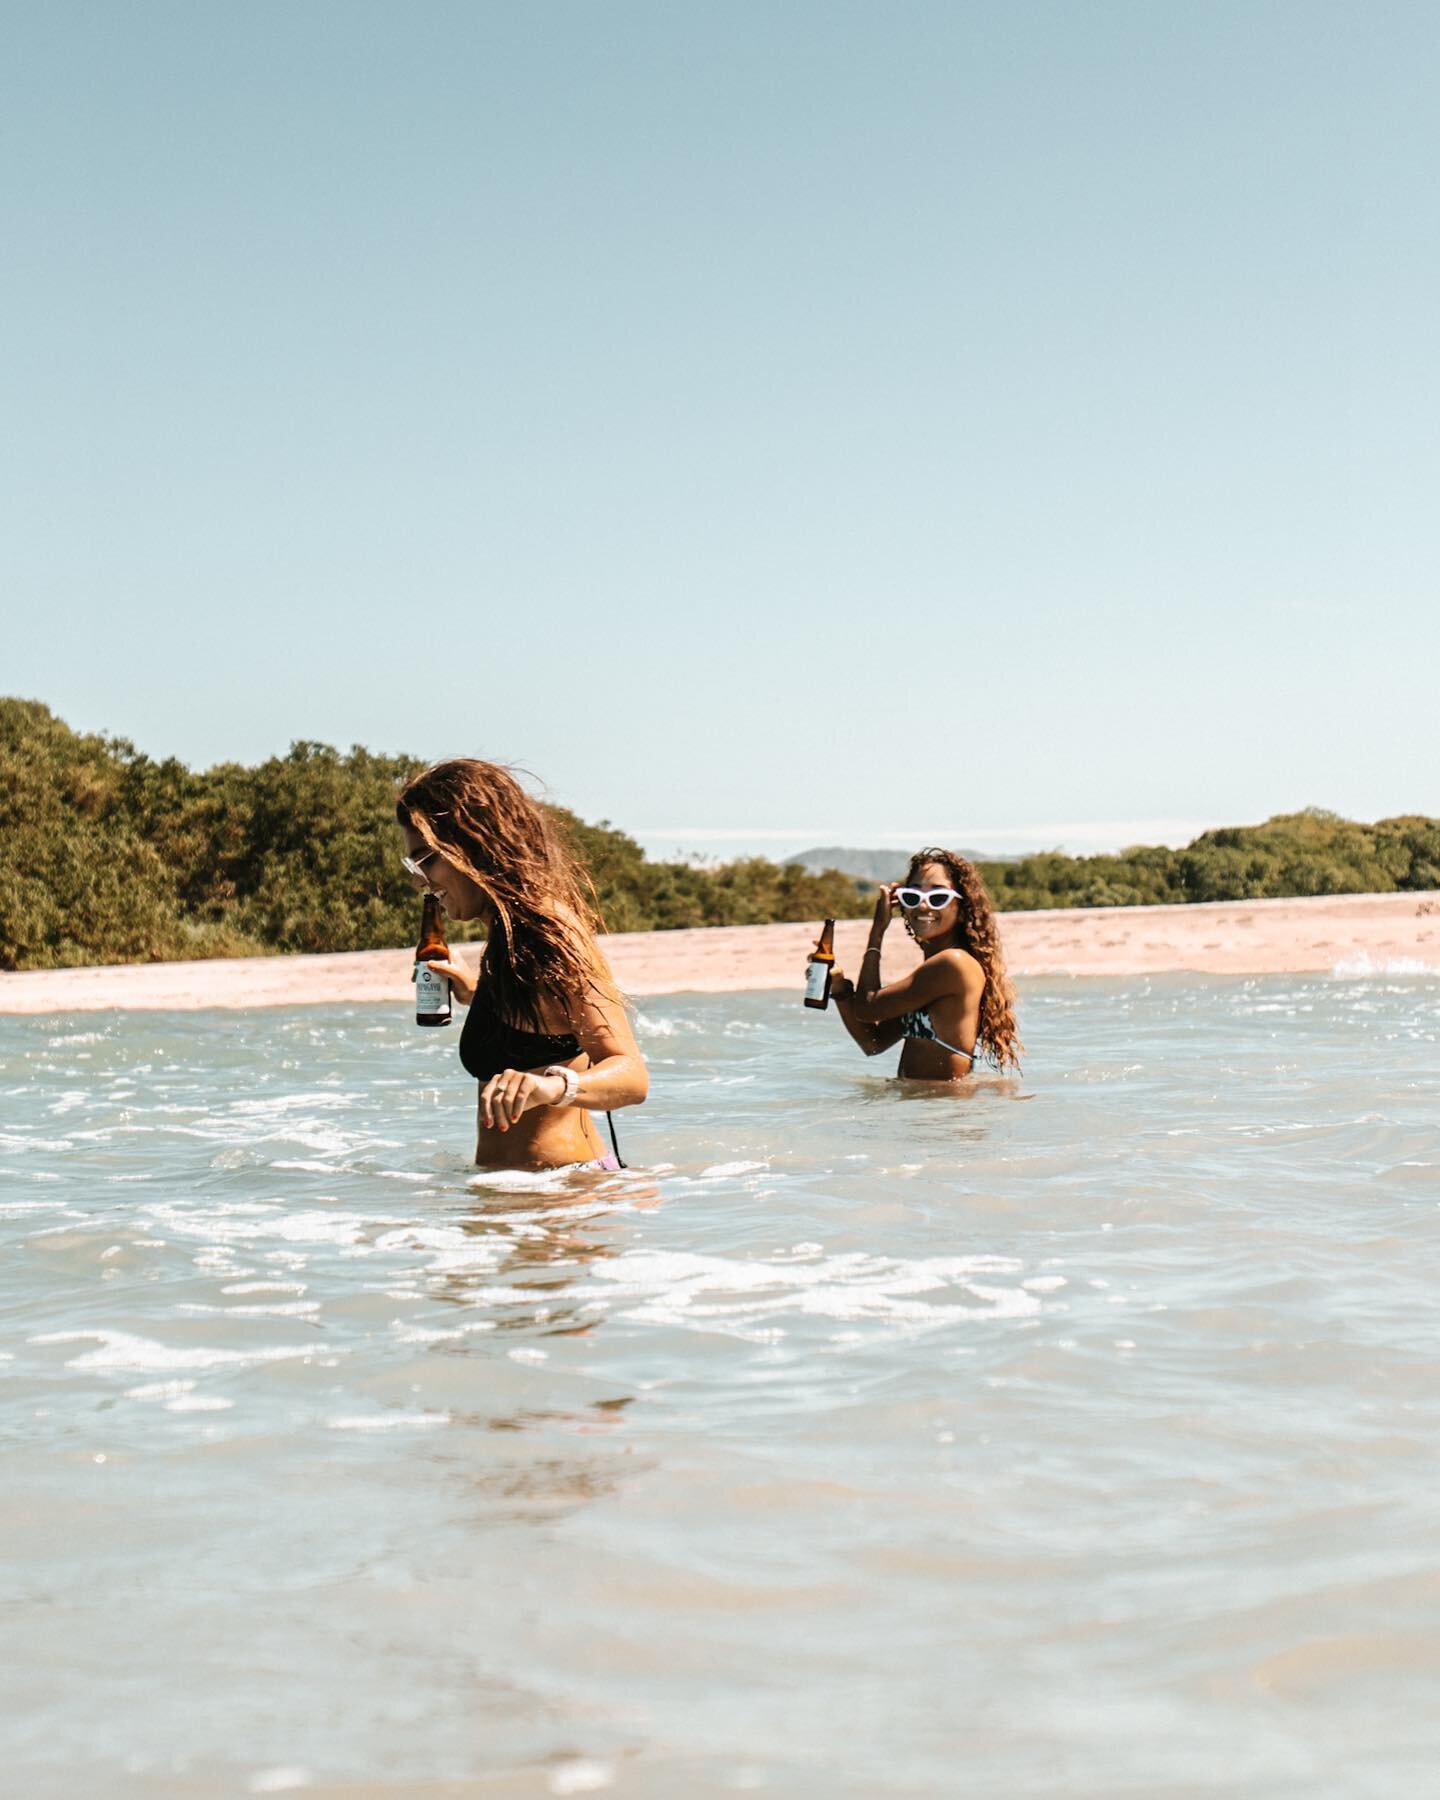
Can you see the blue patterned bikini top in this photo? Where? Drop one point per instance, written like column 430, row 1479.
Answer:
column 917, row 1025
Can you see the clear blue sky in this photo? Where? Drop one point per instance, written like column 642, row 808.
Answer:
column 829, row 421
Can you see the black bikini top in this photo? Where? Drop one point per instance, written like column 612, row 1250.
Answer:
column 488, row 1045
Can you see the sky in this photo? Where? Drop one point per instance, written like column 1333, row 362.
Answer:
column 770, row 424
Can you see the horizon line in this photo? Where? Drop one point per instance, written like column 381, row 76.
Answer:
column 820, row 836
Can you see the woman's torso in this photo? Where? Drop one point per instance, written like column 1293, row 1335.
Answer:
column 955, row 1020
column 547, row 1137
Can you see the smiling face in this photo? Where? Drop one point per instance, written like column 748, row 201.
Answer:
column 925, row 923
column 461, row 897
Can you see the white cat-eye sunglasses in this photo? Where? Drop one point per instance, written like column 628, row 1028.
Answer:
column 938, row 898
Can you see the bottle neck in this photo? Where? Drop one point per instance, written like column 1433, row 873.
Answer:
column 432, row 930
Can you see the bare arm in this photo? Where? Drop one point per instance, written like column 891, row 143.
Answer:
column 617, row 1075
column 921, row 988
column 872, row 1035
column 872, row 1038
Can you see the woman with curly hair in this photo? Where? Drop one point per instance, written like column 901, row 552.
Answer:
column 959, row 1003
column 546, row 1034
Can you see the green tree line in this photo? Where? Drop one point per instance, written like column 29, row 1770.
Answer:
column 1293, row 854
column 111, row 856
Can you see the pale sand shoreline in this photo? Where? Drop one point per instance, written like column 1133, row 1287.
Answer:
column 1254, row 937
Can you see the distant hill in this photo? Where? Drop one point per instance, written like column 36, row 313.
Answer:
column 871, row 865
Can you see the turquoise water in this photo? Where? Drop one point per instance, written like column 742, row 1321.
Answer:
column 1074, row 1438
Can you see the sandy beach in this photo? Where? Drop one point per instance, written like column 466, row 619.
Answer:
column 1258, row 937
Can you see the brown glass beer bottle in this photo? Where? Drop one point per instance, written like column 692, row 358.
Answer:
column 822, row 961
column 432, row 990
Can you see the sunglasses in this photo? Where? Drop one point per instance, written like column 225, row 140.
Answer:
column 415, row 865
column 938, row 898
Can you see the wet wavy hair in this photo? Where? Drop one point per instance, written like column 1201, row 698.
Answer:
column 540, row 944
column 977, row 932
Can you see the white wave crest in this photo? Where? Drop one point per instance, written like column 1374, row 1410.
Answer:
column 715, row 1293
column 123, row 1350
column 648, row 1026
column 1362, row 964
column 388, row 1421
column 246, row 1221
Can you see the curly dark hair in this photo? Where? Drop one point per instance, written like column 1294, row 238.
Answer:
column 978, row 933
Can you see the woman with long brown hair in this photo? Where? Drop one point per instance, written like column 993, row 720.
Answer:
column 959, row 1003
column 546, row 1034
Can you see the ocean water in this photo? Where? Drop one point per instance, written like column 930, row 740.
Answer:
column 1074, row 1436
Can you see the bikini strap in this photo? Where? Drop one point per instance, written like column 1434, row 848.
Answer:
column 610, row 1121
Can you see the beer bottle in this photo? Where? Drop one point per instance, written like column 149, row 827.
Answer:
column 822, row 961
column 432, row 991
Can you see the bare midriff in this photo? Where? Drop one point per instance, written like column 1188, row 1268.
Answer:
column 547, row 1138
column 921, row 1060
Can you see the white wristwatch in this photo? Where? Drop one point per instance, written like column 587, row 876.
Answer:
column 569, row 1077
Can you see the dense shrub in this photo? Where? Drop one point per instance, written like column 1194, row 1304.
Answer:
column 1311, row 852
column 112, row 857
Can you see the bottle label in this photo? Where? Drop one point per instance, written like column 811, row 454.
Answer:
column 432, row 991
column 816, row 975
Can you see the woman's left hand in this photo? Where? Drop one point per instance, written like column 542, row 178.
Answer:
column 512, row 1092
column 461, row 978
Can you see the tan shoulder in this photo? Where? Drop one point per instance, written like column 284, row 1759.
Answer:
column 969, row 968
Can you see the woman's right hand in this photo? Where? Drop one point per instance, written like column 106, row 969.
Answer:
column 462, row 982
column 885, row 904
